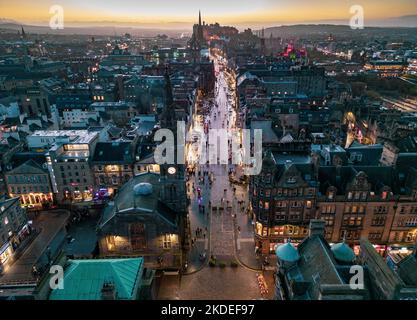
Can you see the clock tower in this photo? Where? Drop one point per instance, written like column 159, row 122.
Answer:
column 173, row 191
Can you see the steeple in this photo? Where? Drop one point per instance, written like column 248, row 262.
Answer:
column 168, row 88
column 168, row 116
column 199, row 18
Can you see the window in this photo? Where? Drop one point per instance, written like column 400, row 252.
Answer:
column 167, row 241
column 378, row 221
column 329, row 219
column 280, row 204
column 352, row 220
column 375, row 236
column 280, row 216
column 328, row 209
column 381, row 209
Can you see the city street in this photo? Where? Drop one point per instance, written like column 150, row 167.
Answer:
column 50, row 225
column 226, row 231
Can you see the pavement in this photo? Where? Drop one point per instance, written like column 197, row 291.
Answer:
column 85, row 238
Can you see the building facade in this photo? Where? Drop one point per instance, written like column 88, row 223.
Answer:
column 14, row 229
column 112, row 164
column 30, row 181
column 355, row 202
column 69, row 166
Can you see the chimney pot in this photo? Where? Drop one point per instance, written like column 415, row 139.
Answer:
column 317, row 228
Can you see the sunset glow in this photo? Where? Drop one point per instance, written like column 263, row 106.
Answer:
column 182, row 13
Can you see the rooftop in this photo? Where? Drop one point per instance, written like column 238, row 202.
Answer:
column 78, row 136
column 127, row 199
column 84, row 279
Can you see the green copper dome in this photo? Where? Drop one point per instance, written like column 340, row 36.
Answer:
column 343, row 252
column 287, row 253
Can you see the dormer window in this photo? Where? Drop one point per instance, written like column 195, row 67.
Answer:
column 292, row 180
column 330, row 195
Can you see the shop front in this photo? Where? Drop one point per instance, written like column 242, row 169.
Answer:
column 267, row 239
column 36, row 200
column 6, row 252
column 380, row 248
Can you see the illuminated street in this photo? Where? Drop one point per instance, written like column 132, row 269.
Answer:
column 229, row 239
column 190, row 150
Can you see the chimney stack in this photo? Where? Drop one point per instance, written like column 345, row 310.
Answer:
column 317, row 228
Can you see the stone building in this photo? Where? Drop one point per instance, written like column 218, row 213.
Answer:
column 139, row 223
column 68, row 163
column 354, row 201
column 112, row 164
column 14, row 229
column 315, row 270
column 30, row 181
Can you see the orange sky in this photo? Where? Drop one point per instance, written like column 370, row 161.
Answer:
column 184, row 12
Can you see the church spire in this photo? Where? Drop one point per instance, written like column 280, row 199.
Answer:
column 168, row 116
column 199, row 18
column 168, row 88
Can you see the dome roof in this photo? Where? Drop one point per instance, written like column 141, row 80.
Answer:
column 343, row 252
column 143, row 189
column 287, row 253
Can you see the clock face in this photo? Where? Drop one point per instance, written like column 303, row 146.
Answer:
column 172, row 170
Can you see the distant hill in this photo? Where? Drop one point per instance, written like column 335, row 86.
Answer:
column 12, row 26
column 404, row 21
column 303, row 30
